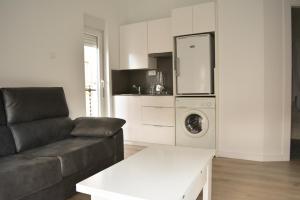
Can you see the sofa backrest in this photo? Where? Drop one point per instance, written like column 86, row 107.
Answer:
column 7, row 144
column 36, row 116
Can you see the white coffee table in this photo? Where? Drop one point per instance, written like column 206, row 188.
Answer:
column 155, row 173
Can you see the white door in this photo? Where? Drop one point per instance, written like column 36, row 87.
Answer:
column 94, row 76
column 194, row 65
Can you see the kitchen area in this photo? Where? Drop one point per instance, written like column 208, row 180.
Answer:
column 152, row 78
column 241, row 115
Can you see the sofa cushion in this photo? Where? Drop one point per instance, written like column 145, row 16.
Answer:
column 7, row 143
column 76, row 154
column 38, row 133
column 22, row 176
column 97, row 126
column 28, row 104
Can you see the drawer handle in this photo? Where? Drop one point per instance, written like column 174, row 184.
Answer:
column 158, row 107
column 157, row 125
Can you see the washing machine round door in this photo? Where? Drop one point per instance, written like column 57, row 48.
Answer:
column 196, row 124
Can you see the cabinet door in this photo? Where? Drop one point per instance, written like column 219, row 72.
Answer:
column 204, row 17
column 158, row 101
column 128, row 108
column 158, row 135
column 133, row 46
column 182, row 21
column 158, row 116
column 159, row 36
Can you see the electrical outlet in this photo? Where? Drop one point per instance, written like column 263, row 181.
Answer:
column 152, row 73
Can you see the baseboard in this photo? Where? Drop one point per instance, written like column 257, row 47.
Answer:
column 253, row 157
column 233, row 155
column 144, row 143
column 280, row 157
column 241, row 156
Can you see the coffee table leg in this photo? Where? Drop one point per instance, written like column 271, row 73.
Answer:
column 207, row 186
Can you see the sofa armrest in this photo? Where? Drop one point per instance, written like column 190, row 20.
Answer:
column 119, row 146
column 97, row 126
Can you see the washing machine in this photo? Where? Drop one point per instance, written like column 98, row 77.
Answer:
column 196, row 122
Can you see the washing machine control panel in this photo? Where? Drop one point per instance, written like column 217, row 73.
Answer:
column 196, row 102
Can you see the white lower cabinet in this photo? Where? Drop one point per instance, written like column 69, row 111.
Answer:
column 158, row 134
column 128, row 108
column 158, row 116
column 148, row 119
column 158, row 101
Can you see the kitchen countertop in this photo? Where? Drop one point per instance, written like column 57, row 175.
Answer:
column 142, row 94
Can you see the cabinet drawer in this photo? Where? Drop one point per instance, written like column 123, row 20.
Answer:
column 158, row 116
column 157, row 135
column 158, row 101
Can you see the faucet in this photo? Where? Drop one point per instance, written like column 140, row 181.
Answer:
column 137, row 88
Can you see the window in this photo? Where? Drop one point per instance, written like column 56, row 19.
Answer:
column 93, row 69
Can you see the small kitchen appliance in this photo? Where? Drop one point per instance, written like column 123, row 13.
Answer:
column 194, row 65
column 195, row 122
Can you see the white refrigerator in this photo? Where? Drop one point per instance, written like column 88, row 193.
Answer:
column 194, row 65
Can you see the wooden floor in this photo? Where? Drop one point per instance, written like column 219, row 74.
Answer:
column 246, row 180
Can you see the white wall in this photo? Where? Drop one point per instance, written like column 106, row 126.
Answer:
column 41, row 44
column 252, row 80
column 241, row 78
column 274, row 143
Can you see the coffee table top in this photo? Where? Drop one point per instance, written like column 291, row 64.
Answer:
column 158, row 173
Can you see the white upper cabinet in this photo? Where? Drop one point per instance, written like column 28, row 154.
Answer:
column 133, row 46
column 204, row 17
column 159, row 36
column 194, row 19
column 182, row 21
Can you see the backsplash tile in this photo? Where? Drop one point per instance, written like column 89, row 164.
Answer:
column 122, row 80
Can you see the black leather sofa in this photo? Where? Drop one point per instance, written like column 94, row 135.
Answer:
column 39, row 158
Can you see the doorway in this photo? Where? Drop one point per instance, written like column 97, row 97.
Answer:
column 295, row 126
column 94, row 73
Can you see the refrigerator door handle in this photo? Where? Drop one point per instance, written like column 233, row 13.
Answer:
column 177, row 66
